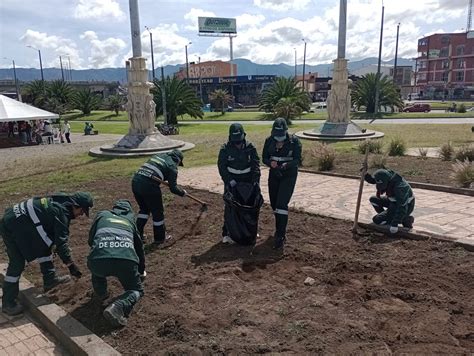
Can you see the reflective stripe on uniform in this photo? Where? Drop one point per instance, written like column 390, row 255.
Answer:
column 281, row 159
column 36, row 221
column 44, row 259
column 281, row 211
column 392, row 199
column 158, row 223
column 373, row 204
column 114, row 231
column 154, row 169
column 142, row 216
column 410, row 199
column 238, row 171
column 11, row 279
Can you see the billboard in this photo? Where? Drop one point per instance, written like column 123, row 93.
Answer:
column 217, row 25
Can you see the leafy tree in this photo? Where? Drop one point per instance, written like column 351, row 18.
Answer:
column 284, row 88
column 287, row 108
column 115, row 103
column 180, row 99
column 36, row 93
column 363, row 93
column 86, row 101
column 59, row 96
column 221, row 99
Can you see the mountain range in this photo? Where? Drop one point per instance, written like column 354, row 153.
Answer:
column 244, row 67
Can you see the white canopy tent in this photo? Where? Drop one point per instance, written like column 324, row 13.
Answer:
column 13, row 110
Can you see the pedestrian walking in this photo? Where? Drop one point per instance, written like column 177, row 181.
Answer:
column 162, row 167
column 117, row 251
column 67, row 131
column 282, row 154
column 30, row 230
column 238, row 162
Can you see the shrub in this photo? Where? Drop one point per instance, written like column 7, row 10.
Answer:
column 465, row 152
column 396, row 147
column 423, row 152
column 462, row 108
column 324, row 156
column 378, row 161
column 446, row 151
column 463, row 173
column 375, row 146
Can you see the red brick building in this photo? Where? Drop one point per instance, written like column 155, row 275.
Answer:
column 445, row 66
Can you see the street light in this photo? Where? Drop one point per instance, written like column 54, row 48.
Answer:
column 151, row 48
column 304, row 64
column 396, row 57
column 40, row 61
column 61, row 64
column 70, row 68
column 187, row 64
column 17, row 88
column 377, row 83
column 295, row 62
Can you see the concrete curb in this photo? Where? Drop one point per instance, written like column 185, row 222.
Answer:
column 427, row 186
column 72, row 335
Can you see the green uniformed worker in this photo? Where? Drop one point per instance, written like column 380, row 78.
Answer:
column 282, row 153
column 398, row 203
column 147, row 191
column 30, row 229
column 117, row 250
column 238, row 162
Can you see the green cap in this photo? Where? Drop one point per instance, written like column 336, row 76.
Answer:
column 236, row 132
column 83, row 200
column 279, row 129
column 177, row 156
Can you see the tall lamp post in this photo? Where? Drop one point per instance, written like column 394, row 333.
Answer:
column 295, row 63
column 187, row 63
column 377, row 79
column 70, row 68
column 304, row 64
column 396, row 56
column 40, row 61
column 151, row 49
column 17, row 87
column 62, row 70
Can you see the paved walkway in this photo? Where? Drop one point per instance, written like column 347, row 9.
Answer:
column 19, row 335
column 436, row 212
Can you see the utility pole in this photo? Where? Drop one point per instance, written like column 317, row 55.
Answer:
column 163, row 96
column 200, row 81
column 62, row 70
column 396, row 56
column 151, row 49
column 187, row 63
column 40, row 61
column 70, row 68
column 304, row 65
column 377, row 78
column 295, row 63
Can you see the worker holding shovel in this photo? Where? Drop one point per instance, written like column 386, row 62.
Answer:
column 160, row 168
column 398, row 203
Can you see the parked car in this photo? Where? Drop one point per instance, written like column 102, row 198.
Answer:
column 318, row 106
column 418, row 108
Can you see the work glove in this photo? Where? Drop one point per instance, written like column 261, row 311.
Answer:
column 393, row 229
column 232, row 183
column 143, row 276
column 74, row 271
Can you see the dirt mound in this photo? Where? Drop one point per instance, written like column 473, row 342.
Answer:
column 376, row 295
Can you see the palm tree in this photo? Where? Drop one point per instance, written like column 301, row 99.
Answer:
column 363, row 93
column 284, row 88
column 35, row 93
column 86, row 101
column 220, row 98
column 115, row 103
column 180, row 99
column 59, row 96
column 287, row 108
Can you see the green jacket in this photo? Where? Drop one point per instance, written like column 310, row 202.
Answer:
column 114, row 235
column 288, row 157
column 396, row 188
column 241, row 165
column 36, row 225
column 163, row 167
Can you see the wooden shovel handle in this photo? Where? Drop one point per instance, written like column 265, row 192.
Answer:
column 187, row 194
column 361, row 186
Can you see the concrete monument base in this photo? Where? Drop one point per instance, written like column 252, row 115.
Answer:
column 343, row 131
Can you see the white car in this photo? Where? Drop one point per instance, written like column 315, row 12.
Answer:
column 318, row 106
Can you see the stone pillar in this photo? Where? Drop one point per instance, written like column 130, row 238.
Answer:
column 339, row 98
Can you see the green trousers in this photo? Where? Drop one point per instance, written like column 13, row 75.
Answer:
column 126, row 272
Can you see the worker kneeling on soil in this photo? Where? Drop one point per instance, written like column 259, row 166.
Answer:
column 398, row 203
column 238, row 162
column 30, row 229
column 282, row 153
column 146, row 189
column 117, row 250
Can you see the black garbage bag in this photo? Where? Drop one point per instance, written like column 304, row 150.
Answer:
column 242, row 208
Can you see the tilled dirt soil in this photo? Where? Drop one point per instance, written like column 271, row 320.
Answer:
column 414, row 169
column 377, row 295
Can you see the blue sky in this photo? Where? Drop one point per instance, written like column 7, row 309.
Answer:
column 96, row 33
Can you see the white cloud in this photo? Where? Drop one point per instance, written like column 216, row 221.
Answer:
column 104, row 53
column 102, row 10
column 192, row 18
column 281, row 5
column 247, row 20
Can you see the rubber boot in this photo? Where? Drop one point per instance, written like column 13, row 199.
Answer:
column 159, row 234
column 114, row 315
column 56, row 281
column 10, row 293
column 141, row 222
column 12, row 310
column 408, row 222
column 281, row 221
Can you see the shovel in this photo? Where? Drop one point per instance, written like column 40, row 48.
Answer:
column 203, row 203
column 361, row 187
